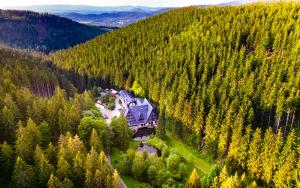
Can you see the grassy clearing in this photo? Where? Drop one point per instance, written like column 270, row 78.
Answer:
column 133, row 183
column 189, row 154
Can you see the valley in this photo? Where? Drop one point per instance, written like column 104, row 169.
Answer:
column 203, row 96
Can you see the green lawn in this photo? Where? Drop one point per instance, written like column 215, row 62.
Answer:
column 189, row 154
column 133, row 183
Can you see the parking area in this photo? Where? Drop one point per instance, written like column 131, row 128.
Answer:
column 109, row 114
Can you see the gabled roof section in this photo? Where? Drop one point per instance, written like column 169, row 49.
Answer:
column 128, row 98
column 141, row 112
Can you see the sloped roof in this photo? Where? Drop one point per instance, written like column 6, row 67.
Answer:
column 139, row 113
column 127, row 96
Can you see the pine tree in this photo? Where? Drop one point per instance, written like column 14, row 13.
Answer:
column 23, row 175
column 78, row 169
column 284, row 175
column 63, row 168
column 116, row 180
column 51, row 153
column 53, row 182
column 194, row 180
column 254, row 160
column 231, row 181
column 88, row 183
column 45, row 133
column 6, row 160
column 91, row 161
column 121, row 132
column 224, row 133
column 235, row 149
column 287, row 163
column 42, row 166
column 160, row 130
column 27, row 138
column 95, row 141
column 8, row 124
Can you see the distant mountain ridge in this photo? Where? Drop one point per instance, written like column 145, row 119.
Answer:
column 118, row 16
column 43, row 32
column 112, row 19
column 110, row 16
column 84, row 9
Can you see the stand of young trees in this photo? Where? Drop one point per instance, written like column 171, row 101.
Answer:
column 228, row 77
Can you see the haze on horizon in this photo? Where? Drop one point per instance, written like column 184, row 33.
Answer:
column 102, row 3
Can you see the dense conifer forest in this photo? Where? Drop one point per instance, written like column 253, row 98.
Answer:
column 42, row 32
column 50, row 136
column 226, row 79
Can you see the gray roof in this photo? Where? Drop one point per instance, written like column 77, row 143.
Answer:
column 127, row 96
column 141, row 112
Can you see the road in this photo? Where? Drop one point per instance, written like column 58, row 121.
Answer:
column 112, row 168
column 111, row 114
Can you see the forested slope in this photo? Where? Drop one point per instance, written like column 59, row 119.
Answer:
column 42, row 32
column 227, row 80
column 47, row 138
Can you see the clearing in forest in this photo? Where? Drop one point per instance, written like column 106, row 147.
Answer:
column 189, row 154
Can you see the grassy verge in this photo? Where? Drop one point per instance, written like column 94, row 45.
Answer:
column 133, row 183
column 189, row 154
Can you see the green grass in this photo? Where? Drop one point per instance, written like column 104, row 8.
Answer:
column 134, row 145
column 189, row 154
column 133, row 183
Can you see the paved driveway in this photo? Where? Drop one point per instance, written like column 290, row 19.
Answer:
column 110, row 113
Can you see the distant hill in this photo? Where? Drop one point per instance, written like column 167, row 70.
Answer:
column 112, row 19
column 110, row 16
column 83, row 9
column 117, row 16
column 43, row 32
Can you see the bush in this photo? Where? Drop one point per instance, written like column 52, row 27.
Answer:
column 139, row 166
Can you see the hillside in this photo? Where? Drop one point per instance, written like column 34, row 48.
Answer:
column 42, row 32
column 226, row 80
column 46, row 128
column 22, row 77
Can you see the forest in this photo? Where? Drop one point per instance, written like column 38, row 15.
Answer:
column 50, row 135
column 42, row 32
column 226, row 80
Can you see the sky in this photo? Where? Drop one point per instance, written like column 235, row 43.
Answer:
column 151, row 3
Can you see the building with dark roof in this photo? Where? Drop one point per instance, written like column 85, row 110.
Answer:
column 139, row 112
